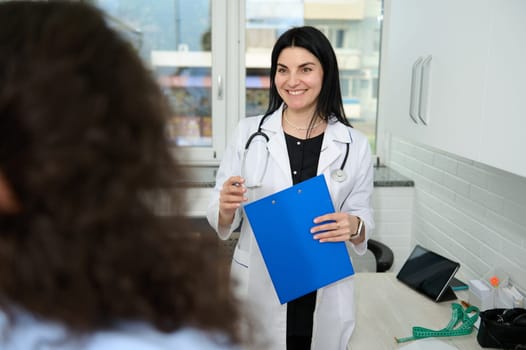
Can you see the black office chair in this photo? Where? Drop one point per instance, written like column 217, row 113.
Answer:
column 383, row 255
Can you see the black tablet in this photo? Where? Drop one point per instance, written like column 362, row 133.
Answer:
column 429, row 273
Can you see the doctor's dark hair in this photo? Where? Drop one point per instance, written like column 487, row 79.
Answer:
column 313, row 40
column 84, row 150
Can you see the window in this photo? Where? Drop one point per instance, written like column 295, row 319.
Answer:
column 191, row 45
column 184, row 44
column 353, row 29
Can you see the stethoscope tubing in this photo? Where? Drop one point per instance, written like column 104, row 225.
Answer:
column 257, row 133
column 338, row 174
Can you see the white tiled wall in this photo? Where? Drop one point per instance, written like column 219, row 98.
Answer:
column 393, row 215
column 466, row 210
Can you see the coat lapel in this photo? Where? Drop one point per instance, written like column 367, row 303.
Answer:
column 332, row 149
column 277, row 146
column 333, row 146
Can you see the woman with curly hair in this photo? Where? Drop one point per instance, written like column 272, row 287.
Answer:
column 85, row 263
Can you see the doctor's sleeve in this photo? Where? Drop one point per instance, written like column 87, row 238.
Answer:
column 358, row 202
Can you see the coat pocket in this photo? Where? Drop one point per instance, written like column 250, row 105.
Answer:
column 239, row 271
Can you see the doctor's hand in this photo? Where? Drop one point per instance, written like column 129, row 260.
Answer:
column 336, row 227
column 230, row 198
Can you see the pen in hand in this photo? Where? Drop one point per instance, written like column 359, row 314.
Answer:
column 237, row 181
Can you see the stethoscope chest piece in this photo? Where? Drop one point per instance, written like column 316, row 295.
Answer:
column 338, row 175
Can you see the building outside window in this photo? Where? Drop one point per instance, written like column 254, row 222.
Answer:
column 212, row 59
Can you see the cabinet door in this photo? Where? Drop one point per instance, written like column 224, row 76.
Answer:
column 504, row 123
column 450, row 36
column 401, row 48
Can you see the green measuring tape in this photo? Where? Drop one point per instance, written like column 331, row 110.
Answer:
column 461, row 323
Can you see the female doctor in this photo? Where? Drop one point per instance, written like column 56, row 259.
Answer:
column 304, row 133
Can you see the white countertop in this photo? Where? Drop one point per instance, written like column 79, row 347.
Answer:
column 386, row 308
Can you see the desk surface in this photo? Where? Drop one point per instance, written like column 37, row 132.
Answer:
column 386, row 308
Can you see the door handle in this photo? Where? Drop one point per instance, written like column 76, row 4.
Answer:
column 424, row 90
column 219, row 87
column 414, row 96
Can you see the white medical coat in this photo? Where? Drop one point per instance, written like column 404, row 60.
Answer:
column 334, row 315
column 30, row 332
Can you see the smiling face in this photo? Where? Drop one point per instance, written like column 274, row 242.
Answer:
column 298, row 79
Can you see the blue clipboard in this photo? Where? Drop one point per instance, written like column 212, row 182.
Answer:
column 297, row 263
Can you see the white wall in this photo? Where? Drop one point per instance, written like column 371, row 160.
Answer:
column 465, row 210
column 393, row 215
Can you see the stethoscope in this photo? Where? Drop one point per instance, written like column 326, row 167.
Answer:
column 337, row 175
column 259, row 132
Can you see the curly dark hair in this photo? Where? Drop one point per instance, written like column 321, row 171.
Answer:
column 83, row 146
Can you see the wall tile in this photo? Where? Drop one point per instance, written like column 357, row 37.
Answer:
column 511, row 187
column 472, row 175
column 456, row 184
column 446, row 163
column 465, row 210
column 488, row 199
column 470, row 207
